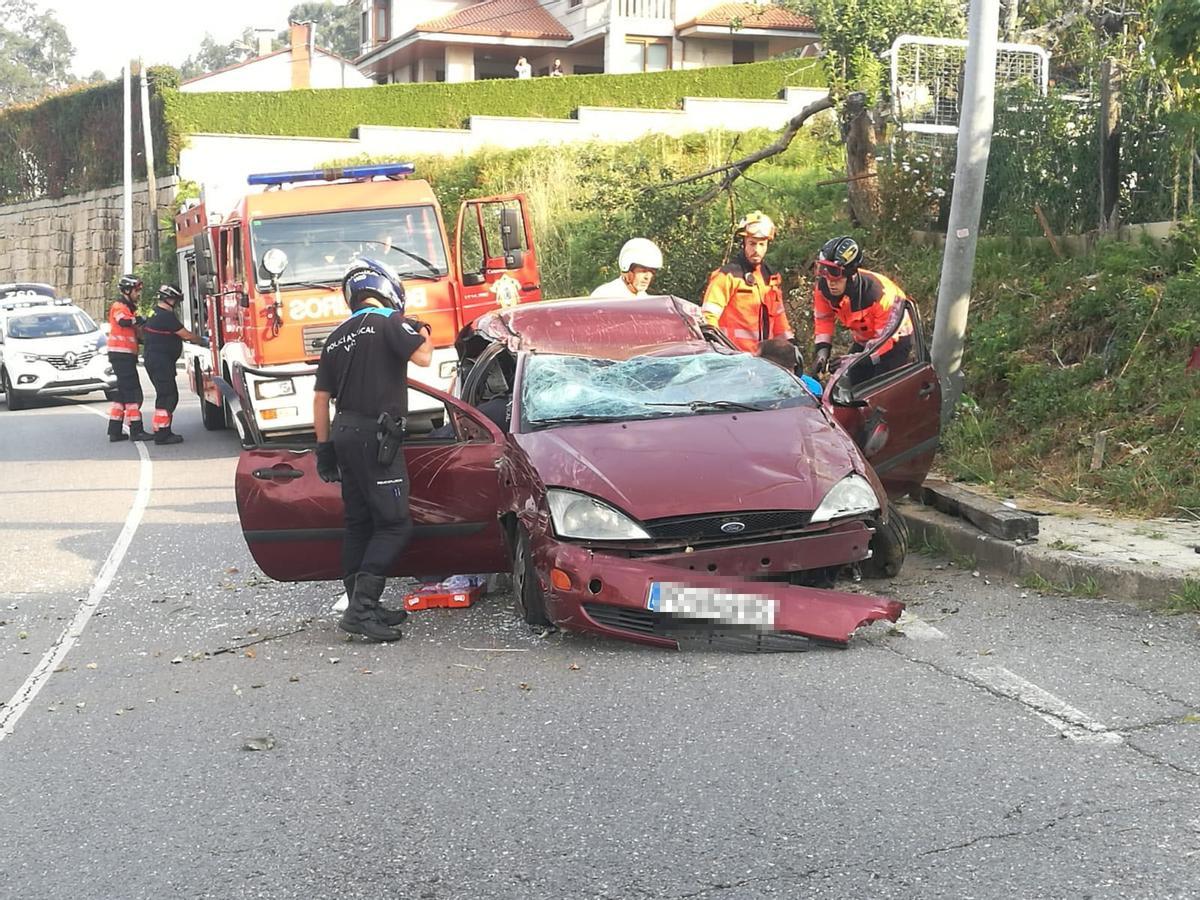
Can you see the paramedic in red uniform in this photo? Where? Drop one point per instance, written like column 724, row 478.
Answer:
column 864, row 302
column 123, row 323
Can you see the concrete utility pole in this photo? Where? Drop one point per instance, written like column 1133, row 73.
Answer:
column 127, row 205
column 966, row 203
column 151, row 183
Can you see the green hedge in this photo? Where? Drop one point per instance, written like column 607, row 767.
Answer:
column 71, row 142
column 337, row 112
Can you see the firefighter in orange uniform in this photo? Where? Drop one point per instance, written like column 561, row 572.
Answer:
column 744, row 298
column 866, row 303
column 123, row 323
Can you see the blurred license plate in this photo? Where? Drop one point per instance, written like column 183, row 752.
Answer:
column 710, row 603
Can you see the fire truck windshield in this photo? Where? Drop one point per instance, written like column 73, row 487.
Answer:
column 319, row 246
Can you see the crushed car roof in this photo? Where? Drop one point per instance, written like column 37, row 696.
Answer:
column 609, row 328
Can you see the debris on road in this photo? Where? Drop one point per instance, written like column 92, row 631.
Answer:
column 266, row 742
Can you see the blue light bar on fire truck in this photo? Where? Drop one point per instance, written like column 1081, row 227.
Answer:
column 386, row 170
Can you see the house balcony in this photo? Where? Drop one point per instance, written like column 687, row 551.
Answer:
column 594, row 17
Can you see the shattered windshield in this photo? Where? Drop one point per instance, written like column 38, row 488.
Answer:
column 564, row 389
column 319, row 246
column 59, row 323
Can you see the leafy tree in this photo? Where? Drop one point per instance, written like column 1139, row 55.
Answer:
column 35, row 53
column 336, row 24
column 855, row 32
column 212, row 56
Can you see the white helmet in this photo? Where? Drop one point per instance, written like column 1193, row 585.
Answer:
column 640, row 252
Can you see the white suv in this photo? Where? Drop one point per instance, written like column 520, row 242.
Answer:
column 49, row 347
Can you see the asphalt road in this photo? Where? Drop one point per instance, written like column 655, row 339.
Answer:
column 998, row 744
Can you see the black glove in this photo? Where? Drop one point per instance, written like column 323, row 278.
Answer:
column 327, row 463
column 203, row 342
column 821, row 360
column 139, row 321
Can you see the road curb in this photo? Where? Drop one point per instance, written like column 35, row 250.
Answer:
column 1078, row 574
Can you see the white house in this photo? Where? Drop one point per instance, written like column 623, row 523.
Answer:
column 301, row 64
column 465, row 40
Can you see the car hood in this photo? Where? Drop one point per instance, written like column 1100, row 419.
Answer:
column 679, row 466
column 79, row 343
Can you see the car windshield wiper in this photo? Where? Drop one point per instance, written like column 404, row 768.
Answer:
column 576, row 418
column 712, row 406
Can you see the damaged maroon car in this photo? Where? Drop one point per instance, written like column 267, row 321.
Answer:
column 639, row 477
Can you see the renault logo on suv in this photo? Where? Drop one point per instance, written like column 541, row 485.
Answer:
column 733, row 527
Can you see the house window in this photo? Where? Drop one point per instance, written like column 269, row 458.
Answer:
column 364, row 29
column 574, row 4
column 645, row 54
column 383, row 23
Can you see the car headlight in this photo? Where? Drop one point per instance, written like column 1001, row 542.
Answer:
column 269, row 390
column 580, row 516
column 31, row 357
column 852, row 496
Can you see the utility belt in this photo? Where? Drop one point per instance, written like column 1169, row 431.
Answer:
column 387, row 429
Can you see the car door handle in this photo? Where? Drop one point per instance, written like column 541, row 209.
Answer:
column 926, row 389
column 277, row 473
column 530, row 287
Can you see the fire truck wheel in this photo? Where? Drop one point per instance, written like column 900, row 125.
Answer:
column 528, row 597
column 212, row 416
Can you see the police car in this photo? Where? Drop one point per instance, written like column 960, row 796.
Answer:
column 49, row 347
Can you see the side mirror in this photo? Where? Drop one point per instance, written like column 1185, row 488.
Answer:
column 204, row 263
column 471, row 279
column 208, row 284
column 511, row 227
column 514, row 259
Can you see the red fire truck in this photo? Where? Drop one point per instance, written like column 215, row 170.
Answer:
column 263, row 283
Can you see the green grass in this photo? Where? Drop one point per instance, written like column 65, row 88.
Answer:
column 1185, row 600
column 1087, row 587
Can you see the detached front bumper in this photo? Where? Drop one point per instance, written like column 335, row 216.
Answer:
column 609, row 594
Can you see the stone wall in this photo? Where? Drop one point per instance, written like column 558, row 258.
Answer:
column 74, row 242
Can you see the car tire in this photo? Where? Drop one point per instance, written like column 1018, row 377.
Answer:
column 889, row 547
column 15, row 400
column 528, row 597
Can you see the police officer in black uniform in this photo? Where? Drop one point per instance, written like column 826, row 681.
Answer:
column 164, row 337
column 364, row 367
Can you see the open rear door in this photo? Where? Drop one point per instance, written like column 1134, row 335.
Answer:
column 895, row 418
column 495, row 260
column 292, row 520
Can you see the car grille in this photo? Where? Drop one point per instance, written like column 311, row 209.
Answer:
column 701, row 528
column 76, row 360
column 314, row 337
column 691, row 633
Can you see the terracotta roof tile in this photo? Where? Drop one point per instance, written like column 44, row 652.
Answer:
column 753, row 15
column 500, row 18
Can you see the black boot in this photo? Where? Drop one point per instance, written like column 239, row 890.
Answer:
column 115, row 433
column 138, row 433
column 389, row 617
column 361, row 616
column 167, row 436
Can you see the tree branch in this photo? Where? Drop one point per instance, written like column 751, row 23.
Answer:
column 734, row 170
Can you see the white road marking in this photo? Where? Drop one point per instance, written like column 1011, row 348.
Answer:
column 1070, row 722
column 15, row 708
column 917, row 628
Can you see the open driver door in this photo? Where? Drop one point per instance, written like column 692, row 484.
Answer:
column 494, row 257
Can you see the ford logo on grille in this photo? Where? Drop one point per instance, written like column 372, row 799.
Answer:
column 733, row 527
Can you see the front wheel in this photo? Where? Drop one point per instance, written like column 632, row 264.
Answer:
column 889, row 546
column 528, row 597
column 212, row 415
column 15, row 400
